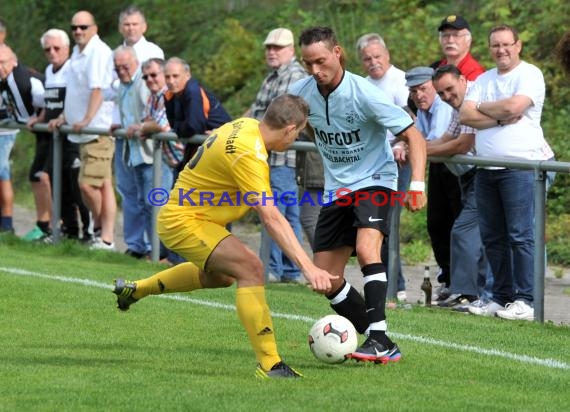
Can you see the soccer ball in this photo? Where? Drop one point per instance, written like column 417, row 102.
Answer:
column 332, row 337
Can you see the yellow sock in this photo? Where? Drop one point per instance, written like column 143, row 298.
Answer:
column 254, row 315
column 184, row 277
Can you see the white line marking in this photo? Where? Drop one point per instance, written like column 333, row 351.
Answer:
column 549, row 363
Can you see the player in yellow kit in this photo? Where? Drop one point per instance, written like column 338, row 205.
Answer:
column 227, row 176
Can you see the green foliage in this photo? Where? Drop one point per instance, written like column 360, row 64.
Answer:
column 413, row 226
column 557, row 230
column 416, row 251
column 229, row 69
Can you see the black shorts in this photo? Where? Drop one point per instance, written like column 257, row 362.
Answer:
column 338, row 223
column 42, row 156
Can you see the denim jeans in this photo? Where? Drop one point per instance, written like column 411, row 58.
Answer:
column 309, row 212
column 133, row 207
column 283, row 180
column 505, row 200
column 469, row 267
column 143, row 174
column 6, row 145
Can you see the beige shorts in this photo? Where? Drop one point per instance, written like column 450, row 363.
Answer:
column 96, row 161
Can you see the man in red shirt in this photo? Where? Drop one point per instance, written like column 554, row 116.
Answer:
column 455, row 41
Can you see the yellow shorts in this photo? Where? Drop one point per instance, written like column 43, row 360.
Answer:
column 96, row 160
column 191, row 238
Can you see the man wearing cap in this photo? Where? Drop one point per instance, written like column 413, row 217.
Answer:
column 444, row 196
column 285, row 70
column 455, row 41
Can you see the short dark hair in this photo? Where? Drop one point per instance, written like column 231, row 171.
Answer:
column 325, row 35
column 504, row 27
column 318, row 34
column 445, row 69
column 130, row 11
column 285, row 110
column 3, row 26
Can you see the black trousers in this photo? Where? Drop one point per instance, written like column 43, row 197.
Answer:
column 443, row 206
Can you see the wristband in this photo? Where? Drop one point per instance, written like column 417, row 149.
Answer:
column 416, row 186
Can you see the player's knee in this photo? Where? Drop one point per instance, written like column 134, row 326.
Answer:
column 367, row 254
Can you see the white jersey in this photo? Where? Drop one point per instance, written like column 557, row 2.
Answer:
column 55, row 85
column 523, row 139
column 350, row 126
column 393, row 83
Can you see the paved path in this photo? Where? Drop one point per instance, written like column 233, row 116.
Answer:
column 557, row 290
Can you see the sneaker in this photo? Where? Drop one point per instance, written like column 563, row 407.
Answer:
column 98, row 244
column 35, row 234
column 124, row 290
column 440, row 294
column 464, row 308
column 136, row 255
column 455, row 300
column 273, row 278
column 279, row 370
column 518, row 310
column 489, row 309
column 373, row 351
column 401, row 296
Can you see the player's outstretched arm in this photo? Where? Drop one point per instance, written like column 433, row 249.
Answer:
column 416, row 200
column 280, row 231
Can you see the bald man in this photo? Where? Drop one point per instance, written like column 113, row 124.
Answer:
column 90, row 75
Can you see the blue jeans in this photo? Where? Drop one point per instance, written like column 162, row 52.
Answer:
column 132, row 205
column 143, row 174
column 505, row 200
column 309, row 212
column 6, row 145
column 283, row 180
column 469, row 267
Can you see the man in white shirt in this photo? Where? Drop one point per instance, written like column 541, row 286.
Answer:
column 505, row 106
column 375, row 59
column 89, row 76
column 132, row 26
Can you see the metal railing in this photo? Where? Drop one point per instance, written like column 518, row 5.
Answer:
column 540, row 168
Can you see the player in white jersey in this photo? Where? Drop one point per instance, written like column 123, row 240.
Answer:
column 350, row 118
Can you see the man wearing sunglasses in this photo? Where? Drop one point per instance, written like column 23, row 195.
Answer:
column 55, row 43
column 90, row 75
column 136, row 156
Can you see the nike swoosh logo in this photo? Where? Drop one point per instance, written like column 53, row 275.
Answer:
column 371, row 219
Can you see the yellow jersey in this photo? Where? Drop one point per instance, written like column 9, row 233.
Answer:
column 228, row 174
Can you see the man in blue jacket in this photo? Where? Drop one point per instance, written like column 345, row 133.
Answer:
column 190, row 108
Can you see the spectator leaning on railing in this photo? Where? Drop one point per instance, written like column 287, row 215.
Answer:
column 90, row 75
